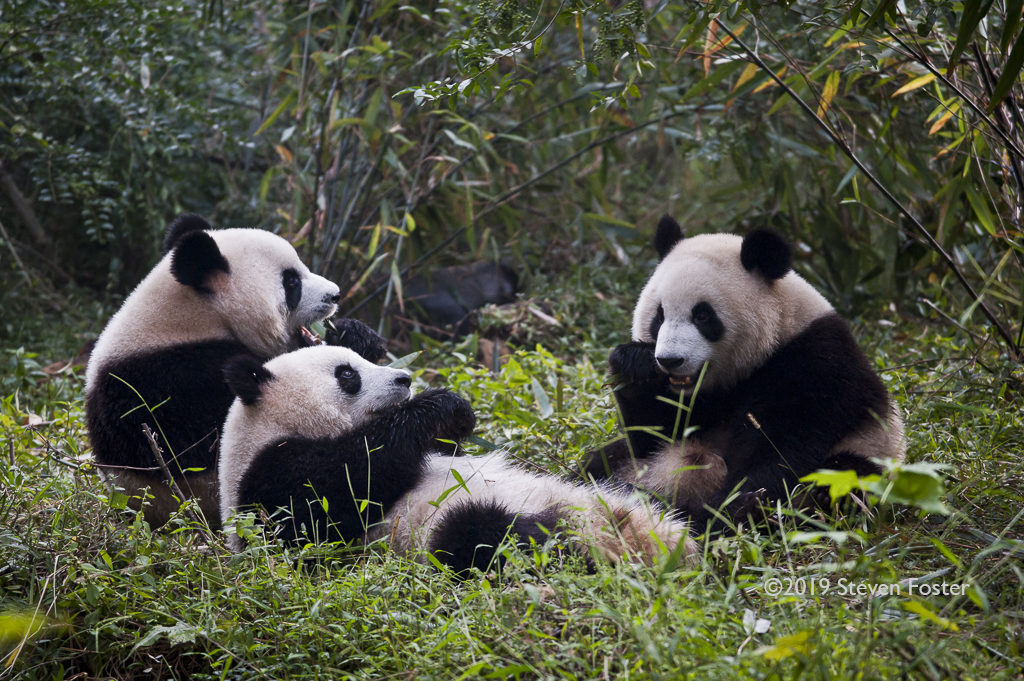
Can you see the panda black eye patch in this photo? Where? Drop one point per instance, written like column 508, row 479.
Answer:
column 659, row 319
column 707, row 322
column 348, row 379
column 292, row 283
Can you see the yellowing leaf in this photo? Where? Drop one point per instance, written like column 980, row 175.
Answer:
column 787, row 646
column 284, row 152
column 831, row 87
column 937, row 125
column 749, row 72
column 770, row 82
column 924, row 613
column 915, row 83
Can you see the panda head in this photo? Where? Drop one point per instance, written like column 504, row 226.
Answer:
column 314, row 392
column 252, row 279
column 722, row 300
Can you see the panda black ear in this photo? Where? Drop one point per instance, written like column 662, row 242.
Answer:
column 246, row 376
column 668, row 234
column 768, row 252
column 195, row 259
column 181, row 226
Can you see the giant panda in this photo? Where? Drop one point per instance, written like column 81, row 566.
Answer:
column 214, row 294
column 338, row 443
column 740, row 378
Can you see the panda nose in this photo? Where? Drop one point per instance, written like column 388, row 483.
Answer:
column 333, row 299
column 403, row 380
column 670, row 363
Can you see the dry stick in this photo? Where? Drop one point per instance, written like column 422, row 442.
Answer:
column 168, row 478
column 845, row 148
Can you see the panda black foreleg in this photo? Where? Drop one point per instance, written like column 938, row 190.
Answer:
column 394, row 447
column 648, row 407
column 361, row 474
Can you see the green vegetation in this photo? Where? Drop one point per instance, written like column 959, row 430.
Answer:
column 388, row 138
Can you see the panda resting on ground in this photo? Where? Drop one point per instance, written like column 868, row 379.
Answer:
column 785, row 389
column 338, row 442
column 214, row 294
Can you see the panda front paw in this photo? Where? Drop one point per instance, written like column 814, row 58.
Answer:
column 634, row 362
column 452, row 415
column 355, row 335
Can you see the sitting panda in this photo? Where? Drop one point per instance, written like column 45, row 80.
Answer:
column 339, row 444
column 740, row 377
column 215, row 294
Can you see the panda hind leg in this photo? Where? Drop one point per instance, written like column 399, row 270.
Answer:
column 817, row 497
column 470, row 533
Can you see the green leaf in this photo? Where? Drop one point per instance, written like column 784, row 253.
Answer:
column 980, row 207
column 1010, row 73
column 881, row 10
column 974, row 12
column 275, row 113
column 914, row 484
column 839, row 483
column 925, row 613
column 787, row 646
column 1014, row 9
column 176, row 634
column 405, row 360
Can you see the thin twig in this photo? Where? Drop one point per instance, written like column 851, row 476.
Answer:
column 168, row 478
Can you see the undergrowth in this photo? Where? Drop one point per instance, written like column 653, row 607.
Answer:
column 89, row 591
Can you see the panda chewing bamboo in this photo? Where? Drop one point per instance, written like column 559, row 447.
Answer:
column 214, row 294
column 783, row 390
column 339, row 444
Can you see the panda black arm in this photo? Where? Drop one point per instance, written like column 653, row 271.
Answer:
column 644, row 398
column 792, row 412
column 360, row 474
column 355, row 335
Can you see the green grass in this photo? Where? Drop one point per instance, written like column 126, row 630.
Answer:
column 88, row 591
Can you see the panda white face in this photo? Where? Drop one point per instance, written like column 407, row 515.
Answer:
column 318, row 391
column 722, row 301
column 267, row 279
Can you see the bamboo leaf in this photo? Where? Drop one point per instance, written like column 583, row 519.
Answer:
column 914, row 84
column 980, row 208
column 749, row 72
column 275, row 113
column 1011, row 71
column 883, row 8
column 974, row 12
column 937, row 125
column 831, row 88
column 771, row 81
column 1014, row 9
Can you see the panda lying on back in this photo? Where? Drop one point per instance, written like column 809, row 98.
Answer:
column 215, row 294
column 785, row 389
column 339, row 444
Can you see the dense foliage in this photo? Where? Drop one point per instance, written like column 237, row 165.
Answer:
column 388, row 138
